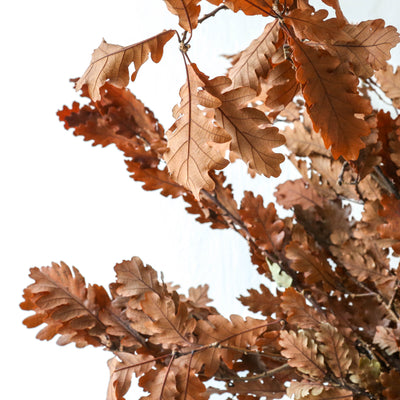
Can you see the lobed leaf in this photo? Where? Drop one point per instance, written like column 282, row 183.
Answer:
column 195, row 144
column 110, row 62
column 187, row 10
column 330, row 92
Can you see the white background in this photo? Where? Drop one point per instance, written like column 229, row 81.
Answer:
column 62, row 199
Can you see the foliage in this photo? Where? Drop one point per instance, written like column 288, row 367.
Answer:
column 332, row 328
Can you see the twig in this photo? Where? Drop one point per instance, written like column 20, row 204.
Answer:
column 384, row 182
column 265, row 374
column 212, row 13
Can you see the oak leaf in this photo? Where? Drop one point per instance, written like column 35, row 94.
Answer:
column 253, row 63
column 302, row 353
column 263, row 223
column 369, row 48
column 330, row 92
column 386, row 339
column 195, row 144
column 304, row 388
column 390, row 83
column 187, row 10
column 264, row 301
column 160, row 383
column 333, row 346
column 391, row 228
column 391, row 382
column 121, row 372
column 253, row 138
column 110, row 62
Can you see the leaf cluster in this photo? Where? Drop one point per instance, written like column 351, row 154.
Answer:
column 330, row 329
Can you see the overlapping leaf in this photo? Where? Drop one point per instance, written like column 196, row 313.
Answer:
column 330, row 92
column 254, row 62
column 253, row 138
column 390, row 83
column 369, row 47
column 110, row 62
column 195, row 144
column 187, row 10
column 302, row 353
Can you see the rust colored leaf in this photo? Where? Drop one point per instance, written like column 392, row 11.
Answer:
column 195, row 144
column 170, row 327
column 253, row 63
column 160, row 383
column 386, row 339
column 294, row 305
column 391, row 228
column 390, row 83
column 336, row 6
column 304, row 388
column 264, row 301
column 283, row 86
column 63, row 302
column 302, row 353
column 297, row 193
column 369, row 48
column 391, row 382
column 330, row 92
column 314, row 265
column 110, row 62
column 135, row 279
column 187, row 10
column 334, row 348
column 121, row 372
column 263, row 223
column 309, row 24
column 218, row 330
column 253, row 7
column 253, row 138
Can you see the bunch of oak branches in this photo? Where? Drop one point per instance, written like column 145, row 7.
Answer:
column 332, row 328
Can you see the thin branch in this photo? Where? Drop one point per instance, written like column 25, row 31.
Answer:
column 212, row 13
column 265, row 374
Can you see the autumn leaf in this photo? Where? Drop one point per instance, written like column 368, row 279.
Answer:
column 390, row 83
column 333, row 346
column 187, row 10
column 297, row 193
column 160, row 383
column 63, row 302
column 304, row 388
column 293, row 304
column 110, row 62
column 391, row 382
column 391, row 228
column 386, row 339
column 369, row 48
column 253, row 138
column 253, row 63
column 262, row 222
column 253, row 7
column 121, row 372
column 135, row 279
column 302, row 353
column 330, row 92
column 264, row 301
column 339, row 13
column 195, row 144
column 170, row 327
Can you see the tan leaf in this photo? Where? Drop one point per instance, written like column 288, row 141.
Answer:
column 169, row 327
column 195, row 144
column 121, row 372
column 386, row 339
column 369, row 48
column 187, row 10
column 390, row 83
column 254, row 62
column 302, row 353
column 160, row 383
column 304, row 388
column 330, row 92
column 297, row 311
column 136, row 279
column 253, row 138
column 110, row 62
column 334, row 348
column 391, row 382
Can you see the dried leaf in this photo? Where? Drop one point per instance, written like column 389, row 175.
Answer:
column 369, row 48
column 264, row 302
column 187, row 10
column 110, row 62
column 390, row 83
column 195, row 144
column 391, row 214
column 253, row 63
column 302, row 353
column 330, row 92
column 334, row 348
column 391, row 382
column 253, row 138
column 304, row 388
column 386, row 339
